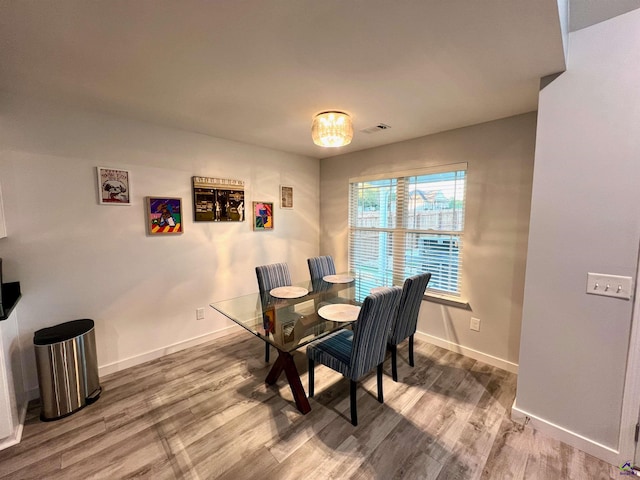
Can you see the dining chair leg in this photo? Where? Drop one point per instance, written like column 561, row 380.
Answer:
column 266, row 352
column 394, row 362
column 354, row 412
column 411, row 350
column 312, row 365
column 380, row 397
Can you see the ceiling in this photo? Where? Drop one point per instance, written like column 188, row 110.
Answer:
column 584, row 13
column 256, row 71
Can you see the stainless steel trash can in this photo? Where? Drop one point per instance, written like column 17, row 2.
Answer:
column 67, row 368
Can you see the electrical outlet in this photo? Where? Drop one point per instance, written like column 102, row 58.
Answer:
column 475, row 324
column 199, row 313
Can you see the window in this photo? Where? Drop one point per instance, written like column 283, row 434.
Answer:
column 405, row 224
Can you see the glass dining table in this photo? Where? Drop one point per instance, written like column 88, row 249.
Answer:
column 290, row 317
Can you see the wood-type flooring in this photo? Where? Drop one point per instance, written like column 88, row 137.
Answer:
column 206, row 413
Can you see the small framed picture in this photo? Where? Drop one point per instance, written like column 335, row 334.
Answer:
column 114, row 186
column 262, row 215
column 286, row 196
column 164, row 215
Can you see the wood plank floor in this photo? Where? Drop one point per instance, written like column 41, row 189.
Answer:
column 206, row 413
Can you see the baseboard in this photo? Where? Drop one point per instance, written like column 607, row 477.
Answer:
column 576, row 440
column 161, row 352
column 34, row 393
column 470, row 352
column 17, row 435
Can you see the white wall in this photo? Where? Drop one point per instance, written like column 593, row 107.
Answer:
column 563, row 16
column 584, row 218
column 500, row 168
column 76, row 259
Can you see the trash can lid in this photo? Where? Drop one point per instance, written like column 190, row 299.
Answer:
column 62, row 332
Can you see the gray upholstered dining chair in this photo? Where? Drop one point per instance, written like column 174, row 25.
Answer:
column 406, row 319
column 320, row 267
column 354, row 353
column 269, row 277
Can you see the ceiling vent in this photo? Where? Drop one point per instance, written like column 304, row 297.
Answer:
column 376, row 128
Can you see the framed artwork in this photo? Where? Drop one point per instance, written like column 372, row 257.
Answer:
column 218, row 200
column 262, row 216
column 114, row 186
column 286, row 196
column 164, row 215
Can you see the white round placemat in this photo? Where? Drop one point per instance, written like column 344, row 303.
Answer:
column 338, row 278
column 288, row 292
column 339, row 312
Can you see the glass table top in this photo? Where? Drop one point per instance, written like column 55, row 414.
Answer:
column 289, row 323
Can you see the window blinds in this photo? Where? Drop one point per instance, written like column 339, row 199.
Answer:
column 408, row 224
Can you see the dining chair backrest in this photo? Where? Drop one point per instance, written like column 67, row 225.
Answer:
column 407, row 315
column 273, row 276
column 269, row 277
column 321, row 266
column 371, row 330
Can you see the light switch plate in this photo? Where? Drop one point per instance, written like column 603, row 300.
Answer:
column 475, row 324
column 609, row 285
column 199, row 313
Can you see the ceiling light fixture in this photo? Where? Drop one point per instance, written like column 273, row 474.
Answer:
column 332, row 129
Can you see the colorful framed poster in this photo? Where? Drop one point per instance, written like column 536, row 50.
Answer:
column 113, row 186
column 286, row 196
column 218, row 200
column 164, row 215
column 262, row 216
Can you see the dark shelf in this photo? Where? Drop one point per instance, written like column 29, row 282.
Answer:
column 9, row 299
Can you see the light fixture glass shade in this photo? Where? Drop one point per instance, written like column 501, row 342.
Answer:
column 332, row 129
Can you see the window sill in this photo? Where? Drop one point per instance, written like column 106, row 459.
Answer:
column 447, row 300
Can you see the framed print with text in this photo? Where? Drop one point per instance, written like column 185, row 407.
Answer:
column 218, row 200
column 114, row 186
column 286, row 196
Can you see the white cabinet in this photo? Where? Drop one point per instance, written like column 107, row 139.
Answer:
column 12, row 394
